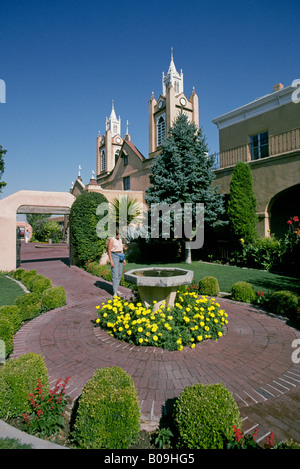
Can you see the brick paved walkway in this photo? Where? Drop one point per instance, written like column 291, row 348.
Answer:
column 253, row 360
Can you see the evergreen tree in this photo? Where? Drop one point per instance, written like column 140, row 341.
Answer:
column 182, row 172
column 242, row 204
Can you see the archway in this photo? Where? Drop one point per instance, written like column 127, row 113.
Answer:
column 282, row 206
column 26, row 202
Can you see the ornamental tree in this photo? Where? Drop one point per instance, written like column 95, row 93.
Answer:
column 242, row 204
column 83, row 221
column 183, row 172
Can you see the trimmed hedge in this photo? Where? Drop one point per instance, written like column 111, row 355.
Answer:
column 13, row 313
column 209, row 286
column 18, row 377
column 29, row 305
column 204, row 415
column 284, row 303
column 108, row 413
column 83, row 221
column 243, row 291
column 53, row 298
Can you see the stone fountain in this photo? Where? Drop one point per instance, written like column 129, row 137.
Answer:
column 159, row 283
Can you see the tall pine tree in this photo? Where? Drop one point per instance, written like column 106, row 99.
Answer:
column 183, row 172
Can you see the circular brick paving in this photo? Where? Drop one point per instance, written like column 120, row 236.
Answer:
column 253, row 360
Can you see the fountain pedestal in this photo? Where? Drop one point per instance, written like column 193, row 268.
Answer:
column 159, row 284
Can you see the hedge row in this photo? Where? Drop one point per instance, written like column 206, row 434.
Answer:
column 42, row 297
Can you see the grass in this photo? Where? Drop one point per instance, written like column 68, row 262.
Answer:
column 227, row 275
column 9, row 290
column 10, row 443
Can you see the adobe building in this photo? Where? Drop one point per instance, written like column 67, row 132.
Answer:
column 265, row 133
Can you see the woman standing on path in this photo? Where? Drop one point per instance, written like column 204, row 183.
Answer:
column 117, row 260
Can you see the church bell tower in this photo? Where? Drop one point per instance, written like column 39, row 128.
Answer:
column 163, row 112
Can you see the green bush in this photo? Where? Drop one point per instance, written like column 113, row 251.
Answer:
column 53, row 298
column 29, row 305
column 18, row 274
column 285, row 303
column 7, row 334
column 83, row 221
column 13, row 314
column 28, row 276
column 18, row 377
column 209, row 286
column 39, row 283
column 243, row 291
column 204, row 416
column 108, row 411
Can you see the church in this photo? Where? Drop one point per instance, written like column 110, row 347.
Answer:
column 120, row 166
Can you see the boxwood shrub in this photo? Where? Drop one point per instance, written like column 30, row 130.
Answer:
column 285, row 303
column 27, row 277
column 53, row 298
column 7, row 334
column 204, row 416
column 18, row 274
column 243, row 291
column 18, row 377
column 13, row 314
column 209, row 286
column 38, row 283
column 29, row 305
column 108, row 411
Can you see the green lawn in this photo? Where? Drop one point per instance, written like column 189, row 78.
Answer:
column 228, row 274
column 9, row 290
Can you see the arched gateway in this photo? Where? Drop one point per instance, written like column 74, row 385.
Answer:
column 26, row 202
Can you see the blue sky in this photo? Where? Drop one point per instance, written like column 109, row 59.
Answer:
column 64, row 61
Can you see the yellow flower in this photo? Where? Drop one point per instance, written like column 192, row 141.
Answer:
column 140, row 329
column 155, row 337
column 141, row 340
column 200, row 338
column 97, row 320
column 180, row 347
column 242, row 240
column 220, row 334
column 97, row 307
column 193, row 345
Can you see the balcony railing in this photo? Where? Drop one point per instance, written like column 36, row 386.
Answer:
column 276, row 145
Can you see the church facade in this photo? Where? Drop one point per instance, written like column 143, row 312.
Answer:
column 119, row 164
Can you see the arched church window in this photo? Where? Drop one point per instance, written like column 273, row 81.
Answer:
column 161, row 130
column 103, row 161
column 115, row 129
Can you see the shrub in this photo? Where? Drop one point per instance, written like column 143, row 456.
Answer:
column 53, row 298
column 29, row 305
column 18, row 274
column 13, row 314
column 108, row 411
column 28, row 276
column 243, row 291
column 285, row 303
column 7, row 334
column 39, row 283
column 209, row 286
column 204, row 416
column 83, row 221
column 18, row 377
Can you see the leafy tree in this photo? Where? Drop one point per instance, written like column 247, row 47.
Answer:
column 83, row 221
column 242, row 204
column 32, row 218
column 2, row 153
column 183, row 172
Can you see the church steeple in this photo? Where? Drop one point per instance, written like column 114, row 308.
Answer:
column 113, row 124
column 172, row 78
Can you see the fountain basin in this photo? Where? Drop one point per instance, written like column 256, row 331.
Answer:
column 159, row 284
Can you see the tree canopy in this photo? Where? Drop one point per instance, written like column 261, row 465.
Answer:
column 183, row 172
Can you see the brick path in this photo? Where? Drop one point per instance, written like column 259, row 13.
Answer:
column 253, row 360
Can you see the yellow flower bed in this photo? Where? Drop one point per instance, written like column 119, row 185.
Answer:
column 191, row 320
